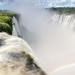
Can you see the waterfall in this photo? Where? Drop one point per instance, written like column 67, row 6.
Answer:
column 52, row 38
column 19, row 33
column 16, row 30
column 67, row 22
column 16, row 57
column 50, row 35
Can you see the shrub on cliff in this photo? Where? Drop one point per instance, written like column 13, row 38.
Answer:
column 4, row 27
column 6, row 19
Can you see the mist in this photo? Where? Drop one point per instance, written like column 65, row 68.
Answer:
column 50, row 35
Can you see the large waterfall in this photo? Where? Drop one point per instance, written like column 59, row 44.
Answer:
column 52, row 38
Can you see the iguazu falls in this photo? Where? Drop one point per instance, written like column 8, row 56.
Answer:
column 37, row 37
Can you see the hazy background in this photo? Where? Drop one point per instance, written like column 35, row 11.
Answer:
column 50, row 35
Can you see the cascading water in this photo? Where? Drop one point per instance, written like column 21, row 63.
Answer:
column 53, row 39
column 51, row 36
column 16, row 30
column 66, row 21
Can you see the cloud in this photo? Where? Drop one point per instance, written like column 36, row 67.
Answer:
column 2, row 3
column 63, row 3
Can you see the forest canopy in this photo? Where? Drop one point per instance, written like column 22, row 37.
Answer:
column 64, row 10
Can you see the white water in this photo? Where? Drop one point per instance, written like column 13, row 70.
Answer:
column 51, row 36
column 16, row 28
column 53, row 41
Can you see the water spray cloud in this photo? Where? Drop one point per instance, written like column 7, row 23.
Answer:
column 50, row 35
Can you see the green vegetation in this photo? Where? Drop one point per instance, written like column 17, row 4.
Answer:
column 64, row 10
column 6, row 21
column 4, row 27
column 6, row 13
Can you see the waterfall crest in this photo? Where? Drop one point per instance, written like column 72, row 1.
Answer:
column 16, row 57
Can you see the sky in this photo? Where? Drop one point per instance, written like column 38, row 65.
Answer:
column 4, row 4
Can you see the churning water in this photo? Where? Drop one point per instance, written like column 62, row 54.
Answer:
column 51, row 36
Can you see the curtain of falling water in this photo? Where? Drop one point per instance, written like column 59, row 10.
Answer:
column 16, row 29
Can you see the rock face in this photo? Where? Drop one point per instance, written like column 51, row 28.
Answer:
column 15, row 57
